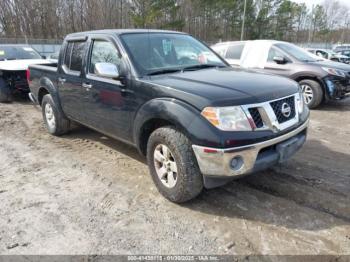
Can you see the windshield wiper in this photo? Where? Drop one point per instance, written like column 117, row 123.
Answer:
column 188, row 68
column 202, row 66
column 163, row 71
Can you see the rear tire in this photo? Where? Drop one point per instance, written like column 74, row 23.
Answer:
column 312, row 92
column 5, row 92
column 177, row 178
column 56, row 123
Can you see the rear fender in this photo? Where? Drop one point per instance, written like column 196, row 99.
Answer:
column 46, row 84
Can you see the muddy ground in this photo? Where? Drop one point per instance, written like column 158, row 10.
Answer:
column 84, row 193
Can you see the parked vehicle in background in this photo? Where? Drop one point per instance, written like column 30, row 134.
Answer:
column 198, row 121
column 330, row 55
column 345, row 52
column 320, row 80
column 14, row 61
column 340, row 48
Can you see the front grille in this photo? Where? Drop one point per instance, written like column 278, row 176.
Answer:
column 277, row 108
column 254, row 112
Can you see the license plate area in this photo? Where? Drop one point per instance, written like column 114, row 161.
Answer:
column 287, row 149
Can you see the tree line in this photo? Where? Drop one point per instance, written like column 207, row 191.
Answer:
column 209, row 20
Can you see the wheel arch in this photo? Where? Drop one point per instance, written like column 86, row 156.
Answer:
column 170, row 112
column 46, row 86
column 41, row 93
column 315, row 78
column 159, row 113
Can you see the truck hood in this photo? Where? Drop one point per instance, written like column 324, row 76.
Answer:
column 21, row 65
column 226, row 86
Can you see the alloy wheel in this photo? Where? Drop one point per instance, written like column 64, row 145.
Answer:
column 308, row 94
column 165, row 165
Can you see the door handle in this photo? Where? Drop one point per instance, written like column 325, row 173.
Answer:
column 61, row 80
column 126, row 91
column 87, row 86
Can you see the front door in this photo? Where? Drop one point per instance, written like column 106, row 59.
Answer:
column 273, row 67
column 107, row 107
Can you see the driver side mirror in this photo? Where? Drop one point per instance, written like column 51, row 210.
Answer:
column 107, row 70
column 280, row 60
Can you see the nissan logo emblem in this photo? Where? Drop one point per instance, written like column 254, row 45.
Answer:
column 286, row 110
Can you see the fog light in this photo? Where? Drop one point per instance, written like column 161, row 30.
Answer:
column 236, row 163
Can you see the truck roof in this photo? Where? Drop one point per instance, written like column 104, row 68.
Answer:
column 122, row 31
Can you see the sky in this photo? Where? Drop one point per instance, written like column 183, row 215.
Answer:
column 309, row 3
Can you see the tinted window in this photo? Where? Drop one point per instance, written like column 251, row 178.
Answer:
column 68, row 54
column 103, row 52
column 234, row 51
column 77, row 56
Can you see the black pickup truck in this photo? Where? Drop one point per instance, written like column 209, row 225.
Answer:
column 199, row 122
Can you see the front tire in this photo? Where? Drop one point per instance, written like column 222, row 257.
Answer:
column 56, row 123
column 5, row 92
column 173, row 165
column 312, row 92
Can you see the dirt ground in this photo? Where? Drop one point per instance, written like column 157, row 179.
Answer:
column 84, row 193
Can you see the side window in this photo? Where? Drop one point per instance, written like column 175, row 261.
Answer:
column 73, row 59
column 103, row 52
column 77, row 56
column 273, row 52
column 235, row 51
column 68, row 54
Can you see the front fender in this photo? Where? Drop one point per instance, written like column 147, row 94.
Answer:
column 184, row 116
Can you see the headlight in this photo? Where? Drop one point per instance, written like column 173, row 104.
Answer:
column 300, row 101
column 230, row 118
column 335, row 72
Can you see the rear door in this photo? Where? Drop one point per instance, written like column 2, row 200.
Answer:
column 70, row 80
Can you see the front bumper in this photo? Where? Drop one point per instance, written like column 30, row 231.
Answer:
column 337, row 87
column 238, row 161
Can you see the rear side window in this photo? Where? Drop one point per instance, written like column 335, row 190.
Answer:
column 74, row 56
column 68, row 54
column 235, row 51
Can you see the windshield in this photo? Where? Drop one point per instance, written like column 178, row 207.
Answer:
column 17, row 52
column 154, row 53
column 297, row 52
